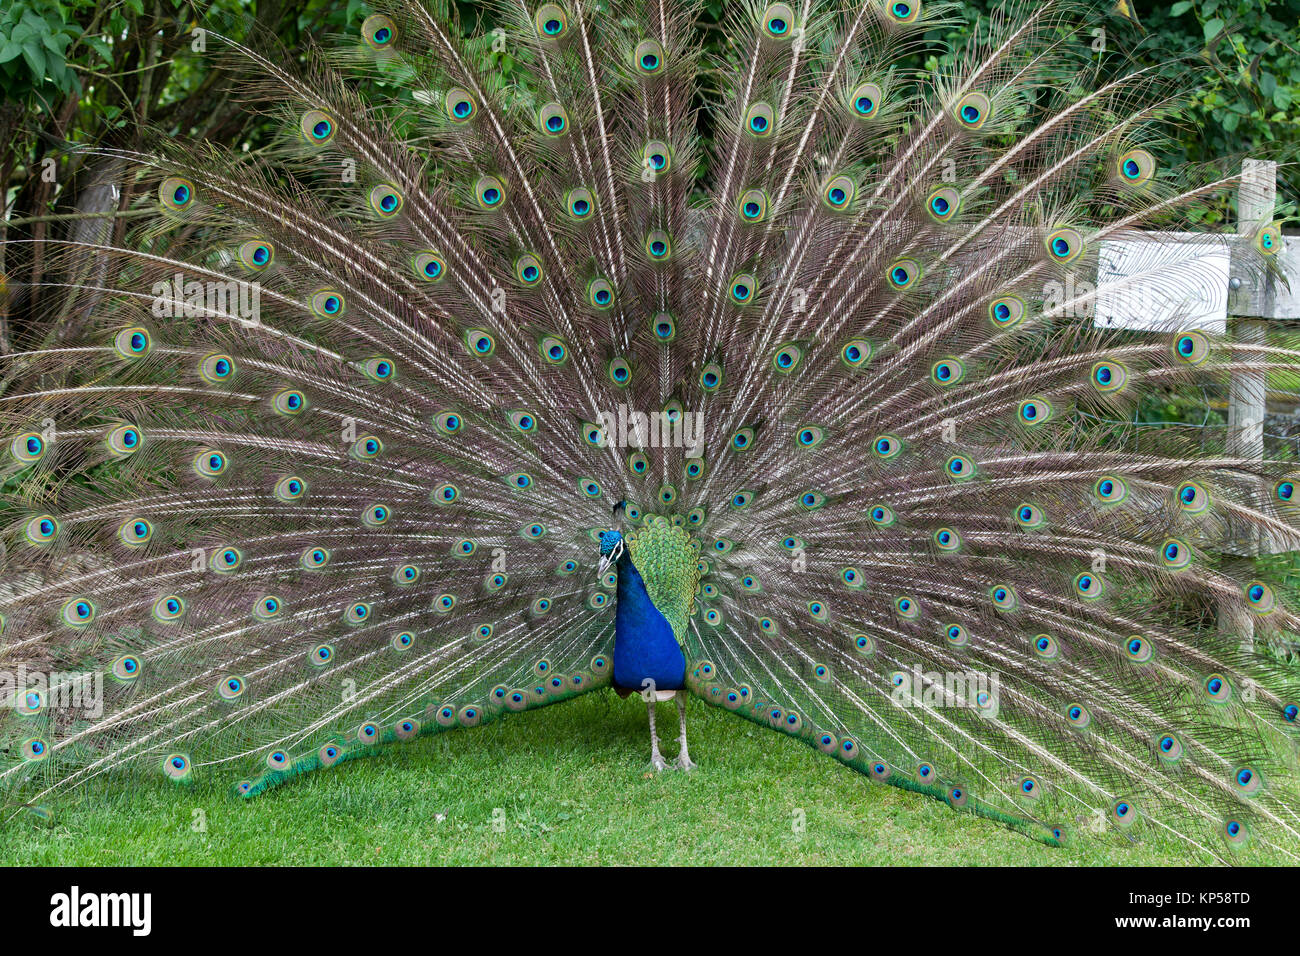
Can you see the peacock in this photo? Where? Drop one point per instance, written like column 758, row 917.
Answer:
column 736, row 372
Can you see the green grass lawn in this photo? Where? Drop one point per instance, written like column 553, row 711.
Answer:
column 573, row 785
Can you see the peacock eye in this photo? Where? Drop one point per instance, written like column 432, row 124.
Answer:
column 490, row 192
column 864, row 101
column 460, row 105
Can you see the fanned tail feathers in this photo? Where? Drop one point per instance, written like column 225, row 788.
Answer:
column 330, row 471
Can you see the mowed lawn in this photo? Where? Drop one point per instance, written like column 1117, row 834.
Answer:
column 567, row 784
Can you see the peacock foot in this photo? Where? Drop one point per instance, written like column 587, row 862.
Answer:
column 658, row 762
column 684, row 762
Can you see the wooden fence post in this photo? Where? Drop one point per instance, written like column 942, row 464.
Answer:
column 1256, row 198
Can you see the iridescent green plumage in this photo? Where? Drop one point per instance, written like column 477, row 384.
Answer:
column 668, row 557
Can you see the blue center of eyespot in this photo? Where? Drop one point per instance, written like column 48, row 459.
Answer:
column 1131, row 169
column 1214, row 685
column 777, row 25
column 758, row 123
column 388, row 203
column 864, row 105
column 940, row 205
column 1044, row 643
column 970, row 114
column 1060, row 247
column 649, row 61
column 1002, row 311
column 902, row 10
column 581, row 206
column 900, row 276
column 491, row 195
column 1186, row 345
column 602, row 296
column 181, row 195
column 555, row 123
column 463, row 108
column 552, row 26
column 837, row 196
column 321, row 129
column 1256, row 593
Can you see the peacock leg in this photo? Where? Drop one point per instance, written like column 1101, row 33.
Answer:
column 656, row 759
column 684, row 761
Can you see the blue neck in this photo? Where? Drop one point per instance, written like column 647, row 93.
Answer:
column 644, row 645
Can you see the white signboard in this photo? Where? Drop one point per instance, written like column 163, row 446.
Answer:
column 1167, row 285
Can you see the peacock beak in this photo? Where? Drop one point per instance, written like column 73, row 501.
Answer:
column 605, row 561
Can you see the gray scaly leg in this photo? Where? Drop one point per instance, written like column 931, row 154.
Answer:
column 656, row 759
column 684, row 757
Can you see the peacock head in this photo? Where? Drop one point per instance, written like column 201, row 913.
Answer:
column 611, row 549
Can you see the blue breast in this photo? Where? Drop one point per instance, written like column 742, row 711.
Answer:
column 644, row 645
